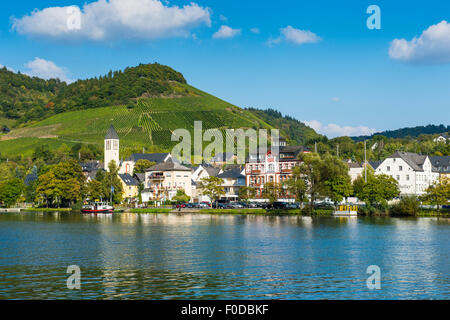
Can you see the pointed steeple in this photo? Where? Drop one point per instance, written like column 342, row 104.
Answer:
column 111, row 134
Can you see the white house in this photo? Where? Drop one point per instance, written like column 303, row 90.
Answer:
column 355, row 169
column 199, row 173
column 442, row 138
column 162, row 181
column 413, row 172
column 233, row 180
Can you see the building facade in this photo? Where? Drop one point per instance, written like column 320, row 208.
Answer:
column 111, row 148
column 270, row 167
column 413, row 172
column 162, row 181
column 233, row 180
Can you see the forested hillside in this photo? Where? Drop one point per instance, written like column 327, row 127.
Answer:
column 413, row 132
column 296, row 131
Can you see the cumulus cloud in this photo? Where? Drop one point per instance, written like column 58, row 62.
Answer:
column 333, row 130
column 226, row 32
column 295, row 36
column 46, row 70
column 113, row 20
column 432, row 46
column 255, row 30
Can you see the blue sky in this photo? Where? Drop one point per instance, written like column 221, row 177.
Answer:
column 314, row 60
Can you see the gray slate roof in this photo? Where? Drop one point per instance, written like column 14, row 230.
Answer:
column 112, row 133
column 375, row 164
column 30, row 178
column 414, row 160
column 153, row 157
column 128, row 180
column 440, row 164
column 140, row 176
column 233, row 173
column 168, row 166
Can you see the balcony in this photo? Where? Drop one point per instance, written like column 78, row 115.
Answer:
column 156, row 176
column 286, row 170
column 255, row 172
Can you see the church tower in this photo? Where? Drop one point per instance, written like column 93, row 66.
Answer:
column 111, row 147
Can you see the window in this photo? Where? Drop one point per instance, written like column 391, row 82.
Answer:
column 407, row 177
column 398, row 178
column 108, row 144
column 400, row 168
column 388, row 168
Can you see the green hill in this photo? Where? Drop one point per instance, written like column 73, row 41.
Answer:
column 145, row 104
column 412, row 132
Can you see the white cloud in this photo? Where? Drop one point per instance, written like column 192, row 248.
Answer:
column 333, row 130
column 226, row 32
column 433, row 46
column 223, row 18
column 295, row 36
column 255, row 30
column 46, row 70
column 335, row 99
column 114, row 20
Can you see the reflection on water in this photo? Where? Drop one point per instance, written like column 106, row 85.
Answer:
column 130, row 256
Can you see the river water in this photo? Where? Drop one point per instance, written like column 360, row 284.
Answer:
column 195, row 256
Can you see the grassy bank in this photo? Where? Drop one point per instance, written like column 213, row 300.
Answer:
column 150, row 210
column 48, row 209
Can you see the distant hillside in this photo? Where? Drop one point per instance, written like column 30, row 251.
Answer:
column 413, row 132
column 296, row 132
column 23, row 98
column 145, row 104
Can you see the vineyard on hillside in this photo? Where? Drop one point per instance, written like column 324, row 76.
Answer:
column 150, row 121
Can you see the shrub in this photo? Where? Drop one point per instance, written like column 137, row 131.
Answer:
column 407, row 206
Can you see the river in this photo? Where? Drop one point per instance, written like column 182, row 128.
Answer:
column 199, row 256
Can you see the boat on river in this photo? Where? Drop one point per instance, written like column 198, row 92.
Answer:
column 346, row 210
column 98, row 208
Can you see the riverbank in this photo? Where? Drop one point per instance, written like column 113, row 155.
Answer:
column 245, row 211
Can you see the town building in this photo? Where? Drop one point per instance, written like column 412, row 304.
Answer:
column 128, row 164
column 413, row 172
column 130, row 187
column 203, row 171
column 441, row 165
column 163, row 180
column 442, row 138
column 111, row 148
column 270, row 167
column 91, row 168
column 355, row 169
column 233, row 179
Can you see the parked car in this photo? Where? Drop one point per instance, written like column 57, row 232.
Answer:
column 235, row 205
column 206, row 203
column 292, row 206
column 203, row 205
